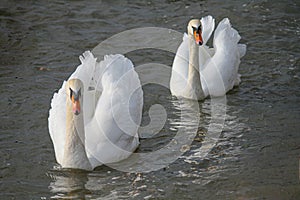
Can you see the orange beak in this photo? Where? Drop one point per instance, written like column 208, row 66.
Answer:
column 198, row 37
column 76, row 106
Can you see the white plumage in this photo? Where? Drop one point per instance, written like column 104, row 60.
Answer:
column 218, row 66
column 112, row 110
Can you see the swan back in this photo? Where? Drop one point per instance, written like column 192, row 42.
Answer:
column 117, row 114
column 225, row 62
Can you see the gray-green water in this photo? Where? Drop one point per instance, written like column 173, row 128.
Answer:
column 257, row 155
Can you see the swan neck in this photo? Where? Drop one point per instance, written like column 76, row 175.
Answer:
column 194, row 81
column 74, row 150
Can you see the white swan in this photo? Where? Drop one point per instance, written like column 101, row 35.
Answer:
column 218, row 66
column 95, row 115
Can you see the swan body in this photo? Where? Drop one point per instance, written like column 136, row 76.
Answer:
column 199, row 71
column 95, row 115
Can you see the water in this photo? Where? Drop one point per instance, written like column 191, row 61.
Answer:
column 257, row 154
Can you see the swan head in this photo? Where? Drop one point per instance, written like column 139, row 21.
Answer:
column 75, row 91
column 195, row 30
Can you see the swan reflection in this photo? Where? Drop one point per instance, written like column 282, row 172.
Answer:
column 68, row 184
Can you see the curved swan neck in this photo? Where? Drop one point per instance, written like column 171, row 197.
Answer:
column 74, row 150
column 194, row 82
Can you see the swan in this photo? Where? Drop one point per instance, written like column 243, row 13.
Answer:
column 94, row 117
column 199, row 71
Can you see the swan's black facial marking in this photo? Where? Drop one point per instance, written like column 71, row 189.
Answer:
column 71, row 93
column 197, row 32
column 197, row 29
column 75, row 95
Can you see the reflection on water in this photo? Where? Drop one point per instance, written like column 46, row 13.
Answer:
column 68, row 184
column 104, row 183
column 170, row 145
